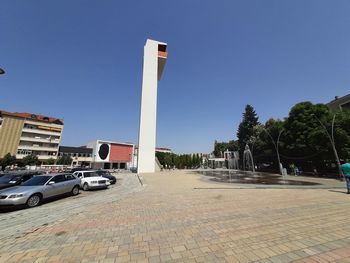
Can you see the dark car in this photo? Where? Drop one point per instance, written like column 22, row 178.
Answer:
column 13, row 179
column 107, row 175
column 79, row 169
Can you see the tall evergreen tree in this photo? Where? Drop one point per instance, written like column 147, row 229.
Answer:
column 246, row 127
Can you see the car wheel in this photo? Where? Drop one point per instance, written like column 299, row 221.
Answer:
column 75, row 190
column 34, row 200
column 85, row 187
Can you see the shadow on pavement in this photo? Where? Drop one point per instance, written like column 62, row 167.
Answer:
column 338, row 191
column 6, row 209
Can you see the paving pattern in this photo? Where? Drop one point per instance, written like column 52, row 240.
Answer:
column 181, row 217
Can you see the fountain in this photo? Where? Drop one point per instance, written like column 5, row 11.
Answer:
column 232, row 161
column 248, row 175
column 248, row 162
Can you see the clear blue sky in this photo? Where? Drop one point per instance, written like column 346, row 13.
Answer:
column 82, row 61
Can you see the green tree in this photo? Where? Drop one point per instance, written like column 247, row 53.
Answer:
column 64, row 160
column 221, row 147
column 7, row 161
column 303, row 134
column 30, row 160
column 161, row 158
column 49, row 161
column 306, row 139
column 20, row 163
column 246, row 127
column 255, row 141
column 272, row 141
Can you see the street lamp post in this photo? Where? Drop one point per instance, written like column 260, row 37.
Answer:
column 276, row 147
column 331, row 139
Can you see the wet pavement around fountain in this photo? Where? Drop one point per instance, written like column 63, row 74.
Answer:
column 248, row 179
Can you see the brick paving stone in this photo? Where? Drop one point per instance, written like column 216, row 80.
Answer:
column 182, row 217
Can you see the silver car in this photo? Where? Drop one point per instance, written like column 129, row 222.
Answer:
column 40, row 187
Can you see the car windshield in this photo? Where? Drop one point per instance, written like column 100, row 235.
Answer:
column 37, row 180
column 90, row 174
column 6, row 178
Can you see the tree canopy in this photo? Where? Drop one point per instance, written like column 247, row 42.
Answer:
column 30, row 160
column 64, row 160
column 304, row 136
column 246, row 128
column 7, row 160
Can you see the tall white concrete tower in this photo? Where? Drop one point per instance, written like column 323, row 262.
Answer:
column 154, row 59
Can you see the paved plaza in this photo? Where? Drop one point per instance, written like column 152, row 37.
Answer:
column 183, row 217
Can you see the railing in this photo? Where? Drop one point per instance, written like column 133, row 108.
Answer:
column 41, row 131
column 33, row 139
column 38, row 148
column 40, row 157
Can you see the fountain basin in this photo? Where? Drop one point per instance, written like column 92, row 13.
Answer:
column 245, row 177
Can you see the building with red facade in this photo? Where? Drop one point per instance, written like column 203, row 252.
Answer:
column 112, row 155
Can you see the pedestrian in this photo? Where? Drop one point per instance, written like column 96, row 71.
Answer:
column 292, row 168
column 296, row 171
column 346, row 171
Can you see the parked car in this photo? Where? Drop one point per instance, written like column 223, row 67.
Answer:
column 15, row 178
column 91, row 180
column 75, row 169
column 38, row 188
column 112, row 179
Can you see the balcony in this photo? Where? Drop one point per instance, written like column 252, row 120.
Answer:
column 38, row 148
column 45, row 140
column 40, row 157
column 38, row 131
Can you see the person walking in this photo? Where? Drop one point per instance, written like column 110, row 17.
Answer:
column 346, row 171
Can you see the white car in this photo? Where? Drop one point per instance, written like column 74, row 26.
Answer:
column 91, row 180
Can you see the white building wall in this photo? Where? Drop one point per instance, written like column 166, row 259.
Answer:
column 148, row 115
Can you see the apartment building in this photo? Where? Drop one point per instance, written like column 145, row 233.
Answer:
column 340, row 103
column 23, row 133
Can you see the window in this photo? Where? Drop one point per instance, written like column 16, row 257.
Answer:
column 26, row 177
column 37, row 180
column 69, row 177
column 59, row 178
column 90, row 174
column 24, row 152
column 345, row 105
column 87, row 174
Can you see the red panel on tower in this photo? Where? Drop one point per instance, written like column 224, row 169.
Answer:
column 120, row 153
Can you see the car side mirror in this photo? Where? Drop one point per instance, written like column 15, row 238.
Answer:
column 51, row 182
